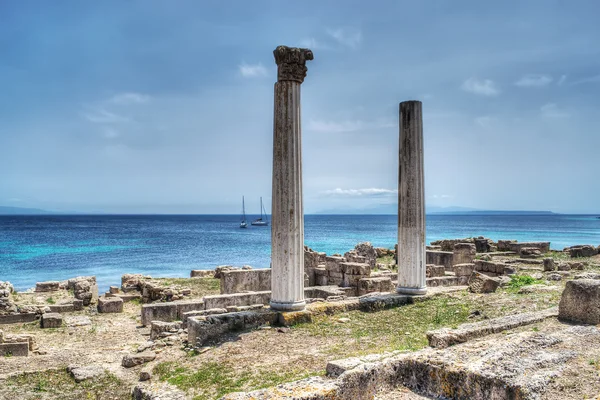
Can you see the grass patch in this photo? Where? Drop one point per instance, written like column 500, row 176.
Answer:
column 50, row 300
column 213, row 379
column 58, row 384
column 518, row 281
column 387, row 260
column 400, row 328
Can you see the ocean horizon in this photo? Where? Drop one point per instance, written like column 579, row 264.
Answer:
column 35, row 248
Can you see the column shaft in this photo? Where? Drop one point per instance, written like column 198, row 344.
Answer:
column 287, row 229
column 411, row 201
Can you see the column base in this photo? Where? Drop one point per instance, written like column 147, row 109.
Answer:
column 411, row 290
column 293, row 306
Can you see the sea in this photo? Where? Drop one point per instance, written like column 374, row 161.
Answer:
column 57, row 247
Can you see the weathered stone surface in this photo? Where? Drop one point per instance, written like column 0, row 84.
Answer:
column 376, row 284
column 145, row 374
column 294, row 317
column 580, row 301
column 160, row 329
column 315, row 388
column 463, row 253
column 493, row 267
column 237, row 299
column 83, row 373
column 529, row 252
column 445, row 337
column 239, row 281
column 202, row 329
column 464, row 269
column 480, row 283
column 434, row 270
column 171, row 311
column 50, row 286
column 131, row 360
column 162, row 392
column 585, row 250
column 445, row 258
column 18, row 318
column 549, row 264
column 367, row 251
column 18, row 349
column 51, row 320
column 110, row 305
column 202, row 273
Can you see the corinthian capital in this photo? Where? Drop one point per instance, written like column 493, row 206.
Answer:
column 291, row 63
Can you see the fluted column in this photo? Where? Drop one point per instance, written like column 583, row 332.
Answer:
column 287, row 220
column 411, row 201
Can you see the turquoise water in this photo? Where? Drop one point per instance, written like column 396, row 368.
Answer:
column 40, row 248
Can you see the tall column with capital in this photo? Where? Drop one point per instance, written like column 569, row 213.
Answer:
column 287, row 220
column 411, row 201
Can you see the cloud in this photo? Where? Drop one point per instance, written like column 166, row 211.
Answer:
column 346, row 126
column 485, row 121
column 312, row 44
column 484, row 87
column 551, row 110
column 252, row 71
column 111, row 133
column 561, row 80
column 589, row 79
column 367, row 192
column 348, row 38
column 534, row 80
column 102, row 116
column 129, row 98
column 442, row 196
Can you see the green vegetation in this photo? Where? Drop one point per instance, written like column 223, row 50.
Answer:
column 400, row 328
column 387, row 260
column 213, row 380
column 518, row 281
column 50, row 300
column 58, row 384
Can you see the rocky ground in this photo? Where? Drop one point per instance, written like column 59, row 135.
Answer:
column 269, row 356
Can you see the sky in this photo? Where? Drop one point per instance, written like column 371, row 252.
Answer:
column 167, row 107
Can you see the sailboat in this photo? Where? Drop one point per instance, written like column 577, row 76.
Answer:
column 260, row 221
column 243, row 224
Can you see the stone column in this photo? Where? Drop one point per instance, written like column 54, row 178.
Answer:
column 411, row 201
column 287, row 219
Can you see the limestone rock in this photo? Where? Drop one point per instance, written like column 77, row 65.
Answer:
column 50, row 286
column 131, row 360
column 51, row 320
column 549, row 264
column 585, row 250
column 81, row 374
column 580, row 301
column 110, row 305
column 145, row 374
column 480, row 283
column 367, row 251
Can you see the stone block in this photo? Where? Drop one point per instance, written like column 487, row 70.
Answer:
column 131, row 360
column 585, row 250
column 239, row 281
column 434, row 270
column 114, row 290
column 580, row 302
column 332, row 263
column 51, row 320
column 529, row 252
column 50, row 286
column 85, row 373
column 61, row 308
column 464, row 269
column 110, row 305
column 294, row 317
column 18, row 318
column 445, row 258
column 77, row 305
column 463, row 253
column 378, row 284
column 549, row 264
column 19, row 349
column 159, row 328
column 481, row 283
column 202, row 273
column 237, row 299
